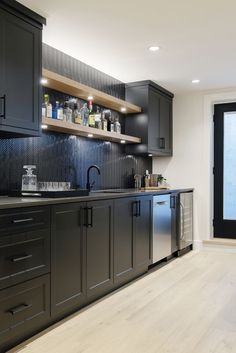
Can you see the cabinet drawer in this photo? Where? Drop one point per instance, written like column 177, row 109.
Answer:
column 23, row 220
column 23, row 257
column 23, row 308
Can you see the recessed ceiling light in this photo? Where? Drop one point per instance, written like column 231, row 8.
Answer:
column 44, row 126
column 44, row 81
column 123, row 109
column 122, row 141
column 154, row 48
column 90, row 135
column 196, row 81
column 90, row 98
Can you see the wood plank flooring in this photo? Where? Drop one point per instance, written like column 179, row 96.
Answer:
column 188, row 306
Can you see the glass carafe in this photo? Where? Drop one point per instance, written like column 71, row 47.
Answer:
column 29, row 180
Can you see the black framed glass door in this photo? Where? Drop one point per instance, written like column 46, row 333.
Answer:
column 225, row 170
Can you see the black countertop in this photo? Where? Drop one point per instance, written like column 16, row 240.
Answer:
column 15, row 202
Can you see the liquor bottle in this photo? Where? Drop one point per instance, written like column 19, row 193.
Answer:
column 84, row 111
column 55, row 109
column 104, row 122
column 77, row 119
column 117, row 126
column 98, row 119
column 60, row 115
column 67, row 112
column 47, row 107
column 91, row 115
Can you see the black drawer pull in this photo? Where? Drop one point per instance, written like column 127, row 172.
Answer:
column 16, row 221
column 162, row 143
column 3, row 114
column 21, row 258
column 18, row 309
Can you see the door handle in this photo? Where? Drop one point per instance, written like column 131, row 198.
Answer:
column 139, row 208
column 18, row 309
column 21, row 258
column 135, row 208
column 89, row 217
column 172, row 202
column 3, row 114
column 162, row 142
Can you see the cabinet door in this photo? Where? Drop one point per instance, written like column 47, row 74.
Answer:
column 165, row 137
column 124, row 265
column 20, row 65
column 67, row 258
column 99, row 247
column 143, row 229
column 153, row 121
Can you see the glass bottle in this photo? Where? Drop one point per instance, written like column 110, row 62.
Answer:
column 47, row 107
column 67, row 112
column 29, row 180
column 55, row 109
column 60, row 115
column 98, row 119
column 84, row 111
column 104, row 122
column 91, row 115
column 77, row 115
column 117, row 126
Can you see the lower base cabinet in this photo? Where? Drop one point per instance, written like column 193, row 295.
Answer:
column 132, row 237
column 95, row 247
column 24, row 308
column 67, row 258
column 99, row 247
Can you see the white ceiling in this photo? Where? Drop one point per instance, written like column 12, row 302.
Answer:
column 197, row 38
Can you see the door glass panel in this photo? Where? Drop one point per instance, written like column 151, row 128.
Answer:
column 229, row 173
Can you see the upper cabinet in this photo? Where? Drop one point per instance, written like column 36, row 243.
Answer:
column 154, row 124
column 20, row 70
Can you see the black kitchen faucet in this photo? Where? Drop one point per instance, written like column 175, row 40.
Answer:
column 88, row 185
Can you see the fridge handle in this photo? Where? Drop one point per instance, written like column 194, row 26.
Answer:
column 182, row 221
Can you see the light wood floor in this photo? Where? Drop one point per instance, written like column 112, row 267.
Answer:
column 188, row 306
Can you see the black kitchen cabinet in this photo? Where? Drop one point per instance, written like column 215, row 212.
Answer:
column 20, row 70
column 24, row 309
column 124, row 265
column 67, row 257
column 99, row 247
column 154, row 124
column 143, row 232
column 132, row 237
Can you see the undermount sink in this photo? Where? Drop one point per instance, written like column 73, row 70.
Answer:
column 112, row 191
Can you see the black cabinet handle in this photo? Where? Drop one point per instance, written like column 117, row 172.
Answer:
column 172, row 202
column 25, row 220
column 139, row 208
column 135, row 208
column 88, row 217
column 3, row 114
column 21, row 258
column 162, row 143
column 18, row 309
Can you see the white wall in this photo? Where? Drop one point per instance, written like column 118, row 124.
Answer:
column 192, row 161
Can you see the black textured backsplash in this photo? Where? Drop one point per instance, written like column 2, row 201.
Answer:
column 56, row 61
column 61, row 157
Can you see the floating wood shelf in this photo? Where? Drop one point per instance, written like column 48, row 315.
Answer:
column 66, row 85
column 80, row 130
